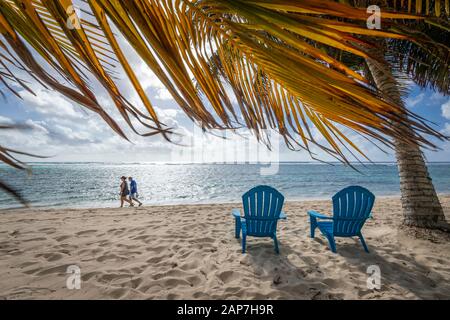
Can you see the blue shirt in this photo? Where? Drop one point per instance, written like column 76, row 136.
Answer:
column 133, row 186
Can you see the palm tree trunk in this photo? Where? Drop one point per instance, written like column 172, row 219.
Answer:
column 421, row 206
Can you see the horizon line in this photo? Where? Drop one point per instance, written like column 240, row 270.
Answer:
column 224, row 163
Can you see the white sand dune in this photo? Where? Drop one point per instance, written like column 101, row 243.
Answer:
column 174, row 252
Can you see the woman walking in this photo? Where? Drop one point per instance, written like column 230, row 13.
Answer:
column 124, row 191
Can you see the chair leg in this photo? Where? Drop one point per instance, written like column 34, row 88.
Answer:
column 332, row 243
column 275, row 242
column 313, row 223
column 363, row 242
column 237, row 230
column 244, row 240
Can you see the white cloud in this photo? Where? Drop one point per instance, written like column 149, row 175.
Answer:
column 446, row 110
column 147, row 78
column 37, row 126
column 163, row 94
column 411, row 102
column 446, row 129
column 5, row 120
column 50, row 102
column 69, row 134
column 34, row 140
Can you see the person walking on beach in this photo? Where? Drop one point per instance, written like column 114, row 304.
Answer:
column 124, row 191
column 133, row 191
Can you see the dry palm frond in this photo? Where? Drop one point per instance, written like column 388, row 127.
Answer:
column 8, row 156
column 427, row 8
column 425, row 57
column 265, row 49
column 428, row 62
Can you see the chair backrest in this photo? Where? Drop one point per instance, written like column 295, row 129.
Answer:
column 351, row 208
column 262, row 207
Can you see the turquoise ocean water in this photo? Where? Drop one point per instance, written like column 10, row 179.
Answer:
column 97, row 184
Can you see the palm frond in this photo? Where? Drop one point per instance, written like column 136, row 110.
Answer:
column 265, row 48
column 426, row 8
column 8, row 156
column 426, row 56
column 427, row 62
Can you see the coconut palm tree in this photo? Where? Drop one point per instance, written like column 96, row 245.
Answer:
column 421, row 206
column 426, row 66
column 266, row 49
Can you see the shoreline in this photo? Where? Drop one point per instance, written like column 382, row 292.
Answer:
column 190, row 252
column 291, row 200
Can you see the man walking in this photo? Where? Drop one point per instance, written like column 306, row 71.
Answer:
column 133, row 191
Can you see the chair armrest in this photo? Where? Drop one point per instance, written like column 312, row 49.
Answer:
column 236, row 213
column 282, row 215
column 316, row 214
column 243, row 227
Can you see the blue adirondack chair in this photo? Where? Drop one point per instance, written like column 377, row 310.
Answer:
column 351, row 208
column 262, row 210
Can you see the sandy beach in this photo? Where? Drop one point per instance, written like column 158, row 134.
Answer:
column 189, row 252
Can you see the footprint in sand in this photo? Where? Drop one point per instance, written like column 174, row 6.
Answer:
column 135, row 283
column 47, row 230
column 86, row 232
column 171, row 283
column 227, row 276
column 156, row 259
column 200, row 295
column 27, row 292
column 14, row 252
column 143, row 238
column 117, row 293
column 32, row 271
column 121, row 245
column 194, row 281
column 157, row 249
column 53, row 270
column 190, row 265
column 332, row 282
column 89, row 275
column 90, row 253
column 114, row 277
column 62, row 238
column 111, row 256
column 128, row 283
column 50, row 256
column 172, row 296
column 27, row 264
column 35, row 239
column 116, row 231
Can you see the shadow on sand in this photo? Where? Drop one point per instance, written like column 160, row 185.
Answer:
column 313, row 275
